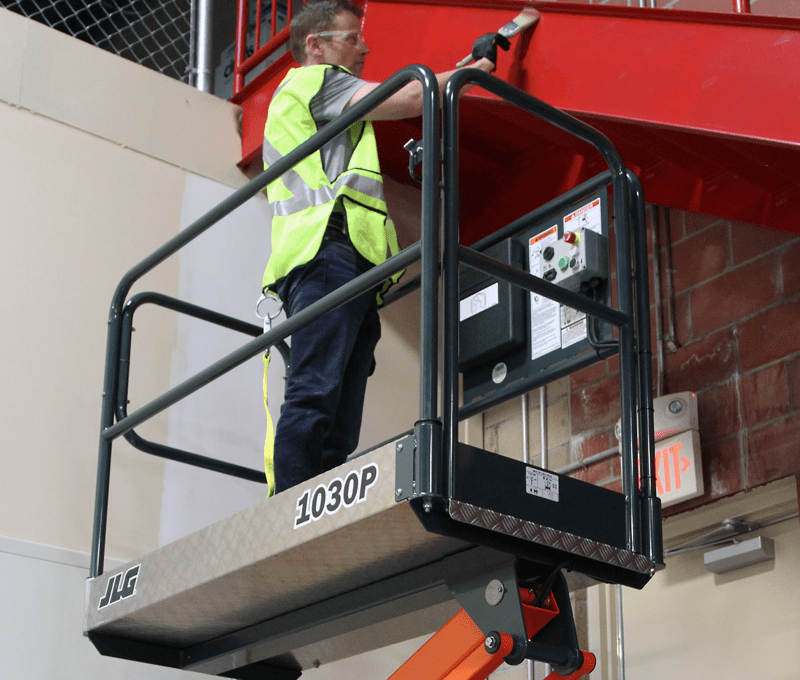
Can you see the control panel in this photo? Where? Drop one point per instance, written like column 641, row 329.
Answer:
column 512, row 340
column 577, row 257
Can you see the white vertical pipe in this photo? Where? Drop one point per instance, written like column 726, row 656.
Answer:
column 525, row 453
column 620, row 636
column 543, row 420
column 543, row 444
column 654, row 213
column 527, row 458
column 204, row 8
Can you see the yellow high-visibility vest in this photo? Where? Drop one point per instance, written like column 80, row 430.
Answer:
column 304, row 197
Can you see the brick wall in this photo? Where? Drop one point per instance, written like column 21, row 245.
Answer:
column 736, row 290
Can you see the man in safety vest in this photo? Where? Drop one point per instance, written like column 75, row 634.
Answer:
column 329, row 225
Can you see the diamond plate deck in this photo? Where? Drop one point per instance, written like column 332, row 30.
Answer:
column 536, row 533
column 255, row 565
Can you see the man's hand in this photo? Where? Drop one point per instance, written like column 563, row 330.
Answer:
column 486, row 46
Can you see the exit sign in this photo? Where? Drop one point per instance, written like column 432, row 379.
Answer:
column 679, row 471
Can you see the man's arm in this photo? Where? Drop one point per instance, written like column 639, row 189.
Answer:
column 407, row 102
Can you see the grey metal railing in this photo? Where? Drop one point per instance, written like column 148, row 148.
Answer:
column 632, row 319
column 435, row 436
column 110, row 430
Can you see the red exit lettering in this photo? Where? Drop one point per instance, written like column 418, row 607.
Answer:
column 670, row 464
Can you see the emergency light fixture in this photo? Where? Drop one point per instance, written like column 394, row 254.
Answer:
column 679, row 469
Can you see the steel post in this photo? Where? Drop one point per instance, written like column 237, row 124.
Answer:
column 203, row 57
column 111, row 376
column 627, row 365
column 651, row 504
column 450, row 276
column 428, row 427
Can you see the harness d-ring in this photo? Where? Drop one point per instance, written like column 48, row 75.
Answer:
column 268, row 318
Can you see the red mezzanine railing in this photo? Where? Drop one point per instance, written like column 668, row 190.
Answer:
column 243, row 64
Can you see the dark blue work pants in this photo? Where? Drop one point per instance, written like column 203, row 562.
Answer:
column 331, row 359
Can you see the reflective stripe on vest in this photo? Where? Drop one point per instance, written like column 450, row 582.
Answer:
column 368, row 189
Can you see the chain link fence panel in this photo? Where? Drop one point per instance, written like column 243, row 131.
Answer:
column 153, row 33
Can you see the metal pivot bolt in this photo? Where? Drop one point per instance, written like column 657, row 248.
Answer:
column 492, row 643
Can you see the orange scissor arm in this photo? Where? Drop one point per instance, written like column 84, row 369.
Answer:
column 457, row 651
column 460, row 651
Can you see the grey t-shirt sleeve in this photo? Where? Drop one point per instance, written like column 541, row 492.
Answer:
column 337, row 89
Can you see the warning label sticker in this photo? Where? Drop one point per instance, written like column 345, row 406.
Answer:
column 589, row 216
column 573, row 333
column 570, row 316
column 545, row 321
column 542, row 484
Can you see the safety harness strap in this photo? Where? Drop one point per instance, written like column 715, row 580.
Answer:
column 269, row 441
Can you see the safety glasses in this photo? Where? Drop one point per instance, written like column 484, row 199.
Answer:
column 351, row 37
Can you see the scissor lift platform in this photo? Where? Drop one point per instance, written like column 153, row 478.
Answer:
column 337, row 566
column 390, row 545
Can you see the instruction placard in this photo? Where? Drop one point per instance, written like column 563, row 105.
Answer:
column 542, row 484
column 545, row 325
column 573, row 326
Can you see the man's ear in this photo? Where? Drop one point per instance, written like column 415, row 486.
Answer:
column 312, row 45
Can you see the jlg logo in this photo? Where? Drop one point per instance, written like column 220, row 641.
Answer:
column 120, row 587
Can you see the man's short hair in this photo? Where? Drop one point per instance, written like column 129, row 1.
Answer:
column 316, row 16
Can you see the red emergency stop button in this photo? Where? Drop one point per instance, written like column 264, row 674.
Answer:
column 570, row 237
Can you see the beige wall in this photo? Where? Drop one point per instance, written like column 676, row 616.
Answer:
column 59, row 77
column 92, row 178
column 68, row 234
column 690, row 623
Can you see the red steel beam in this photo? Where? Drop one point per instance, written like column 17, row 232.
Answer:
column 721, row 74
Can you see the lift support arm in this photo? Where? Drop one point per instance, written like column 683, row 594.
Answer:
column 460, row 651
